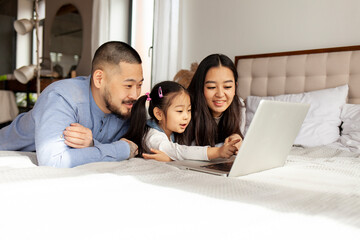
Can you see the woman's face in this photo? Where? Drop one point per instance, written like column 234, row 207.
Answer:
column 219, row 89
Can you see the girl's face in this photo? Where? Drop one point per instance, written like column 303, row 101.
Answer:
column 178, row 115
column 219, row 89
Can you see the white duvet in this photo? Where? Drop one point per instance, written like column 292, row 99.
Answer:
column 316, row 195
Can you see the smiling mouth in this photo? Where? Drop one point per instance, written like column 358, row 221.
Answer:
column 219, row 103
column 129, row 103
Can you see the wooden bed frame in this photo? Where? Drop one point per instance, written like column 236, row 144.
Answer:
column 279, row 73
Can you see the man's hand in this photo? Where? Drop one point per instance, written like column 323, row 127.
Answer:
column 157, row 155
column 78, row 136
column 133, row 147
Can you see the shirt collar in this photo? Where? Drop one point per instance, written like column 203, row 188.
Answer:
column 151, row 123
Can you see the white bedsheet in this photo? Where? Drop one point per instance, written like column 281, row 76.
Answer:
column 316, row 195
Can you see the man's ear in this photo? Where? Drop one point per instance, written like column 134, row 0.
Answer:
column 98, row 78
column 158, row 113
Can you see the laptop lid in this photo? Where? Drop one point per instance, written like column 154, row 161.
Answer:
column 270, row 137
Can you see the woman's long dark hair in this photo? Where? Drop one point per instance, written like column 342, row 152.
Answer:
column 203, row 128
column 138, row 128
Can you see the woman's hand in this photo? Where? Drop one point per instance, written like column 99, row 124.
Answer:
column 157, row 155
column 234, row 137
column 225, row 151
column 229, row 148
column 78, row 136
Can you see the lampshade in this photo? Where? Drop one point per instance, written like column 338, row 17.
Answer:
column 23, row 26
column 25, row 73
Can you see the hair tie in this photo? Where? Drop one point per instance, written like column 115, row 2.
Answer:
column 148, row 96
column 160, row 92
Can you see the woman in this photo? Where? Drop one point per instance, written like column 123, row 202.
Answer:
column 216, row 108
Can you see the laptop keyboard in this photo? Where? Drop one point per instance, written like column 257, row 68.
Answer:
column 225, row 167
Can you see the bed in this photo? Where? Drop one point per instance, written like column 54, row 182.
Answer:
column 316, row 195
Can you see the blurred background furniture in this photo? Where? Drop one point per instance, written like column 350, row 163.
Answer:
column 9, row 109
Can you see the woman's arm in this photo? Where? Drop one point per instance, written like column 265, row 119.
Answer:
column 225, row 151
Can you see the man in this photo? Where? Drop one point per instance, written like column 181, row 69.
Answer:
column 84, row 111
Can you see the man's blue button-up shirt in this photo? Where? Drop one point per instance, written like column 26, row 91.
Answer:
column 60, row 104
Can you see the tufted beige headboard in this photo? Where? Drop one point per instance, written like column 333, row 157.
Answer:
column 299, row 71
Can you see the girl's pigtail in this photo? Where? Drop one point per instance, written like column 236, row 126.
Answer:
column 138, row 127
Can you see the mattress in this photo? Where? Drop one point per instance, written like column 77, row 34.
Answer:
column 315, row 195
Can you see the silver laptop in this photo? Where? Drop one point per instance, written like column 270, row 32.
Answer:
column 266, row 145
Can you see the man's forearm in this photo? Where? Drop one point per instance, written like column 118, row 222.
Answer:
column 71, row 157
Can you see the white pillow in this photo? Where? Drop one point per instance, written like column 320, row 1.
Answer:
column 321, row 125
column 350, row 134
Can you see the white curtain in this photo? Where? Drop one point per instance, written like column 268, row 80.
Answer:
column 100, row 32
column 165, row 63
column 110, row 22
column 166, row 40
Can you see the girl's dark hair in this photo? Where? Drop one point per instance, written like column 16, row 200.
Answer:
column 138, row 128
column 211, row 133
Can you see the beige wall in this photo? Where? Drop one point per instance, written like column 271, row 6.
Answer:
column 85, row 9
column 240, row 27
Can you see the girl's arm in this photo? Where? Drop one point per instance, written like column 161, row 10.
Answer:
column 159, row 141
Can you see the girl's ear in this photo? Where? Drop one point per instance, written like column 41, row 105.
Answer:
column 158, row 113
column 98, row 78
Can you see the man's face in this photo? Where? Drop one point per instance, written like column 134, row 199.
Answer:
column 122, row 87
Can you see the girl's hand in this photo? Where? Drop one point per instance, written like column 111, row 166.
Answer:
column 157, row 155
column 233, row 137
column 78, row 136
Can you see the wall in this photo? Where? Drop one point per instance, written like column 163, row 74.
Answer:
column 85, row 9
column 241, row 27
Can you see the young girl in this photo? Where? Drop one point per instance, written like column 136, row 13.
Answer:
column 170, row 114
